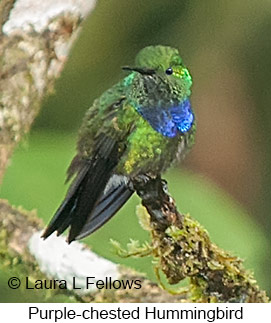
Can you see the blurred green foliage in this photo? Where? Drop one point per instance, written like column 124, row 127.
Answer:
column 215, row 38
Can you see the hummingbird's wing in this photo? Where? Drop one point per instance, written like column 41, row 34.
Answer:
column 86, row 189
column 88, row 204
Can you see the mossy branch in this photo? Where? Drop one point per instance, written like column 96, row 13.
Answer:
column 183, row 249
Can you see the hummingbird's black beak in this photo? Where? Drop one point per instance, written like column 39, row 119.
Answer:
column 143, row 71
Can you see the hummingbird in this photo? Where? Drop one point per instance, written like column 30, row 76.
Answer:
column 139, row 127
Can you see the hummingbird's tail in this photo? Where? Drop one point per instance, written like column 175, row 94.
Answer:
column 89, row 203
column 111, row 201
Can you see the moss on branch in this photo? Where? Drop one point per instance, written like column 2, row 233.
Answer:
column 183, row 249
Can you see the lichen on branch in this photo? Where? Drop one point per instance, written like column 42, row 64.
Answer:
column 35, row 40
column 17, row 226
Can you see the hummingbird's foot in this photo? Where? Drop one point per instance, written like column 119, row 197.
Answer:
column 154, row 196
column 143, row 178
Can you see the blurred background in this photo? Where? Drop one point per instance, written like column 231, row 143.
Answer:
column 225, row 182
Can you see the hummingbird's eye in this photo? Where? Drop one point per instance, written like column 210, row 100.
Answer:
column 169, row 71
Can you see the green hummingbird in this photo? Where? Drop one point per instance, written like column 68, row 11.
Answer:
column 137, row 128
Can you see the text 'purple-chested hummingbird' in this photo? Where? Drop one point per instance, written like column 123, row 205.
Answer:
column 139, row 127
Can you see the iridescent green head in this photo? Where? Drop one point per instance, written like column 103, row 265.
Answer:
column 159, row 73
column 167, row 63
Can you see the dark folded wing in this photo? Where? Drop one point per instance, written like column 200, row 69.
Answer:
column 86, row 189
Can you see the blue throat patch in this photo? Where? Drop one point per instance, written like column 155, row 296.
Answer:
column 170, row 121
